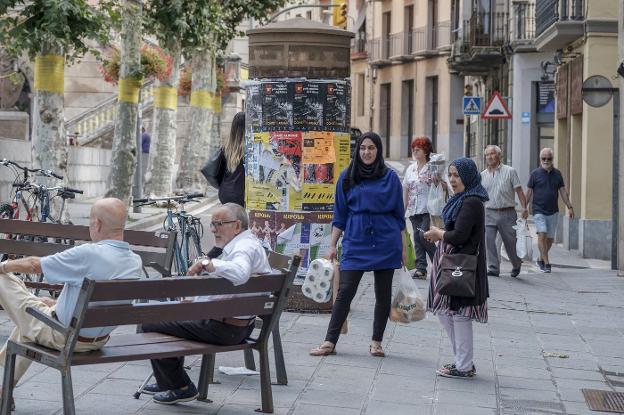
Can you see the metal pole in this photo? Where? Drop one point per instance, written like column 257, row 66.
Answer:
column 616, row 180
column 137, row 186
column 620, row 144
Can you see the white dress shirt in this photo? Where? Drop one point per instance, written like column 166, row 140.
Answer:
column 241, row 257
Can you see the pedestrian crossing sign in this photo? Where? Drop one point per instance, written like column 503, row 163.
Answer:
column 472, row 105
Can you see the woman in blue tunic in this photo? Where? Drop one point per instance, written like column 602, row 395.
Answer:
column 370, row 216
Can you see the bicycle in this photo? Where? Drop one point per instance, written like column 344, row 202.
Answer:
column 188, row 228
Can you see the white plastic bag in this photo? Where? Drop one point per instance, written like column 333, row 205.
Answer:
column 524, row 241
column 435, row 199
column 407, row 304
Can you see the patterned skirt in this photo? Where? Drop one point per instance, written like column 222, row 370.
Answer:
column 440, row 304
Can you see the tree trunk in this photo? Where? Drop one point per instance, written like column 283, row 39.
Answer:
column 163, row 147
column 196, row 146
column 123, row 163
column 48, row 136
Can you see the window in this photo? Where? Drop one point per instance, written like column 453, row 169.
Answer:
column 408, row 26
column 361, row 96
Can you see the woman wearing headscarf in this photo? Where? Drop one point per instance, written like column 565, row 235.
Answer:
column 464, row 232
column 369, row 214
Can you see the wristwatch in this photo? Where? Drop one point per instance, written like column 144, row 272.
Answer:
column 205, row 263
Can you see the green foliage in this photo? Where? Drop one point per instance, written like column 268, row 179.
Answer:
column 203, row 23
column 32, row 25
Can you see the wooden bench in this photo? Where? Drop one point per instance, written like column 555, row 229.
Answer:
column 268, row 297
column 156, row 249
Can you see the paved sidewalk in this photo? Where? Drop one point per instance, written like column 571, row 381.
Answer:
column 548, row 336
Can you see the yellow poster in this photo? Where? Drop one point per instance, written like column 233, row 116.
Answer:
column 262, row 138
column 263, row 196
column 318, row 197
column 343, row 155
column 318, row 147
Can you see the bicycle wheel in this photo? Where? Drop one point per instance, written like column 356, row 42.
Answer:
column 194, row 245
column 6, row 212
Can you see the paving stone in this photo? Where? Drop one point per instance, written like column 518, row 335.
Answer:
column 383, row 407
column 522, row 372
column 448, row 409
column 315, row 409
column 559, row 372
column 333, row 398
column 468, row 399
column 524, row 383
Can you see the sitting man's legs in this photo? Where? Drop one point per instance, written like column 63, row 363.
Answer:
column 171, row 378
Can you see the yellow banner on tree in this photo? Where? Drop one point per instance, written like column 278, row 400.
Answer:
column 166, row 98
column 50, row 73
column 203, row 99
column 129, row 89
column 216, row 103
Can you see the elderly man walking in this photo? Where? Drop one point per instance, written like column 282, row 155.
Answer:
column 545, row 184
column 502, row 184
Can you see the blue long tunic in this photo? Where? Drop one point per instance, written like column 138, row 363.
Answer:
column 372, row 216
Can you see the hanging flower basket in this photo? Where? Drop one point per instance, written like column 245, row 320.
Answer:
column 155, row 64
column 186, row 84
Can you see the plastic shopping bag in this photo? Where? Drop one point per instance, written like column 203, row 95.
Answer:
column 407, row 304
column 524, row 241
column 435, row 199
column 411, row 254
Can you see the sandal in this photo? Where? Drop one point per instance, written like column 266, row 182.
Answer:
column 376, row 350
column 452, row 372
column 325, row 349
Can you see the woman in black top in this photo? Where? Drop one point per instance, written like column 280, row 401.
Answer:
column 464, row 224
column 232, row 188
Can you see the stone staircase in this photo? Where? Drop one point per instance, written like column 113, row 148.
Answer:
column 99, row 121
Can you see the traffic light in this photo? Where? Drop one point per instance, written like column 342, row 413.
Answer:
column 340, row 15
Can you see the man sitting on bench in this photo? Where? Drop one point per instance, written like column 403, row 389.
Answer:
column 107, row 257
column 242, row 256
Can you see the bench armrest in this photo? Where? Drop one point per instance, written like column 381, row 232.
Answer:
column 55, row 324
column 159, row 268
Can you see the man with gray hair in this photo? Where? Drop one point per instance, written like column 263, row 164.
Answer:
column 243, row 255
column 502, row 184
column 544, row 187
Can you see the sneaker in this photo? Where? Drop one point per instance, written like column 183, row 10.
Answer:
column 492, row 274
column 515, row 272
column 450, row 366
column 547, row 269
column 540, row 264
column 171, row 397
column 454, row 373
column 152, row 389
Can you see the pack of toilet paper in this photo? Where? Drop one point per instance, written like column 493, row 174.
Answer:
column 318, row 280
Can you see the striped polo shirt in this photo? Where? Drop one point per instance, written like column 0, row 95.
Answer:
column 501, row 185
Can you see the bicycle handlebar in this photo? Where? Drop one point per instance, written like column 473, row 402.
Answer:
column 185, row 197
column 49, row 173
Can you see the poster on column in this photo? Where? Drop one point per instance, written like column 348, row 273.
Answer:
column 335, row 107
column 263, row 227
column 253, row 114
column 277, row 106
column 308, row 102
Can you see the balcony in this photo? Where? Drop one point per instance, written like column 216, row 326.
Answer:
column 358, row 49
column 522, row 27
column 478, row 48
column 431, row 40
column 558, row 23
column 379, row 51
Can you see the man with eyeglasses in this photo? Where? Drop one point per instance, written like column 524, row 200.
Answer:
column 544, row 187
column 243, row 255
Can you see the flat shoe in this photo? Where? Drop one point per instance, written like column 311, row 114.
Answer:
column 323, row 351
column 376, row 351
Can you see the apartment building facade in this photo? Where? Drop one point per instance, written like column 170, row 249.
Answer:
column 401, row 84
column 581, row 38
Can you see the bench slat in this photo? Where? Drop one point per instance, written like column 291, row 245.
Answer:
column 118, row 315
column 155, row 289
column 139, row 349
column 79, row 232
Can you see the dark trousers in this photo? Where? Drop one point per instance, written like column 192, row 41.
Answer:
column 421, row 246
column 349, row 282
column 169, row 372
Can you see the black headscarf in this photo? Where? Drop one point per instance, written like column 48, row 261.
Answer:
column 357, row 170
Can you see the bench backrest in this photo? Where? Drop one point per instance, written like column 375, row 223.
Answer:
column 156, row 249
column 265, row 296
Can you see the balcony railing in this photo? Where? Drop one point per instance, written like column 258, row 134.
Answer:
column 358, row 48
column 486, row 29
column 522, row 22
column 548, row 12
column 431, row 38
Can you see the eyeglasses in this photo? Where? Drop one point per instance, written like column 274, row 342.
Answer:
column 546, row 158
column 220, row 223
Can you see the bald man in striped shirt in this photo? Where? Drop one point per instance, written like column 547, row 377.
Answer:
column 502, row 184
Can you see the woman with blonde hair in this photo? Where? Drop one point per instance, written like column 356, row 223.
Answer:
column 232, row 188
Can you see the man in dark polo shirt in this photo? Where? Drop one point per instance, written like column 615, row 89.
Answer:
column 545, row 184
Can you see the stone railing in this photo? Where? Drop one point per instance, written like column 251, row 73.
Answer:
column 100, row 119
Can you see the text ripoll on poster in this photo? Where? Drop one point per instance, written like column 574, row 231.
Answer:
column 297, row 143
column 496, row 109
